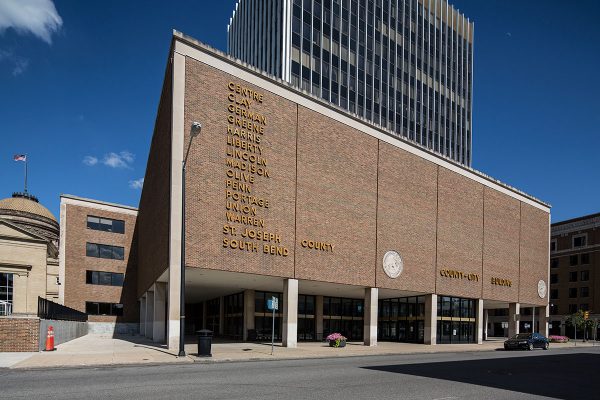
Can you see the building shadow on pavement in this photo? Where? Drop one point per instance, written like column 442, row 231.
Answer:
column 564, row 376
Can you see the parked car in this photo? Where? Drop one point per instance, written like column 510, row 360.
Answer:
column 527, row 341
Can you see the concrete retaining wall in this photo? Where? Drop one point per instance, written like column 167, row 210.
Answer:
column 111, row 328
column 64, row 331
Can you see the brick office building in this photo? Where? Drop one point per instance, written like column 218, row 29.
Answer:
column 574, row 263
column 353, row 229
column 97, row 263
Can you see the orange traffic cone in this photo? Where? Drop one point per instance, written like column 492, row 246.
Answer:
column 50, row 339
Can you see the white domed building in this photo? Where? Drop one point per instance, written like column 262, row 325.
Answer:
column 29, row 235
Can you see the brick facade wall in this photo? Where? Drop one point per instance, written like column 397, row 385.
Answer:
column 333, row 184
column 77, row 291
column 153, row 217
column 562, row 254
column 19, row 334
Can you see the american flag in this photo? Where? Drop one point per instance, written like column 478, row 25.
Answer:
column 20, row 157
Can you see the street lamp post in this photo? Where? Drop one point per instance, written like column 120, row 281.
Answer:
column 195, row 131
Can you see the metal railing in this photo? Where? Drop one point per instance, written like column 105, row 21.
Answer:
column 5, row 308
column 50, row 310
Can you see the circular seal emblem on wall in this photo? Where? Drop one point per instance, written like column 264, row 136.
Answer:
column 542, row 289
column 392, row 264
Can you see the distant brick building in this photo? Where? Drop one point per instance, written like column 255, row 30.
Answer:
column 97, row 262
column 574, row 270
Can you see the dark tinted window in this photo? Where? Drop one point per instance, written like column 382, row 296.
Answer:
column 105, row 224
column 104, row 251
column 573, row 260
column 104, row 278
column 94, row 308
column 91, row 250
column 579, row 241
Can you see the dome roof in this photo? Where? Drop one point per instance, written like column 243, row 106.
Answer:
column 25, row 203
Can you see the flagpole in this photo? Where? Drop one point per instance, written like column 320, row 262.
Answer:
column 25, row 173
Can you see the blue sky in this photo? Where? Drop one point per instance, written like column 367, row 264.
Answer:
column 80, row 83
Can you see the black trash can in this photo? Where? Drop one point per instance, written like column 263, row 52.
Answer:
column 204, row 343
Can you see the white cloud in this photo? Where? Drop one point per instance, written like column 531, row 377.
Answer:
column 137, row 183
column 38, row 17
column 124, row 159
column 90, row 160
column 19, row 64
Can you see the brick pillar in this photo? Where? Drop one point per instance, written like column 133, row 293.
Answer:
column 431, row 319
column 249, row 306
column 370, row 316
column 290, row 313
column 513, row 326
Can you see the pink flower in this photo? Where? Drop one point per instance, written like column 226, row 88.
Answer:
column 336, row 336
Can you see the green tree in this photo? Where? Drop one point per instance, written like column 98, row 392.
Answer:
column 577, row 320
column 590, row 326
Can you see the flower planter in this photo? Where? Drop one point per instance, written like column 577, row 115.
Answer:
column 332, row 343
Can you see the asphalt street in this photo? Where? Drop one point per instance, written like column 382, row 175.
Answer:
column 562, row 374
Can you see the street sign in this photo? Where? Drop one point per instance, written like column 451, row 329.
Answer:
column 273, row 304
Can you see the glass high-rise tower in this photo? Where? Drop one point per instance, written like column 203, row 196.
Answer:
column 405, row 65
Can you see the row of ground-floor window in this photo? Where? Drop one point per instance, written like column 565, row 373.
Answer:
column 399, row 319
column 427, row 318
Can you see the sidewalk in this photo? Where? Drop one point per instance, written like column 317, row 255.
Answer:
column 97, row 350
column 91, row 350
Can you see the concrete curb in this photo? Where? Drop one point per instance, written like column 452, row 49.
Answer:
column 192, row 360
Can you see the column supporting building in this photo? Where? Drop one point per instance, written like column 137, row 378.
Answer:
column 143, row 315
column 370, row 316
column 430, row 319
column 480, row 321
column 290, row 313
column 543, row 316
column 221, row 315
column 159, row 315
column 514, row 310
column 249, row 307
column 149, row 314
column 486, row 319
column 319, row 317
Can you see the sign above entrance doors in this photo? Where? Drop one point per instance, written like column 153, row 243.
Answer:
column 393, row 264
